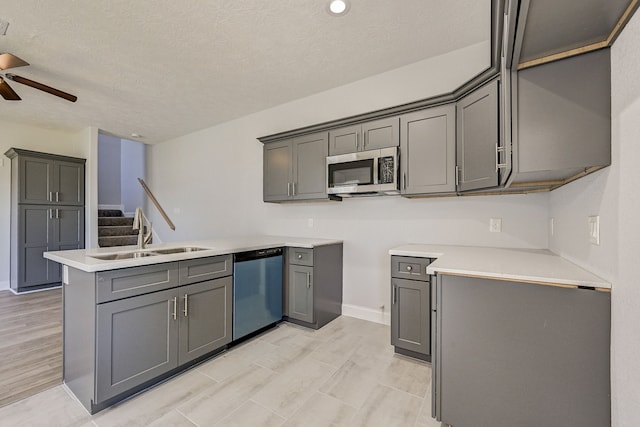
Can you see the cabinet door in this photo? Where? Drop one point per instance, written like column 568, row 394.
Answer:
column 67, row 233
column 301, row 293
column 68, row 183
column 136, row 341
column 478, row 138
column 35, row 180
column 205, row 318
column 277, row 171
column 428, row 150
column 310, row 167
column 345, row 140
column 35, row 232
column 381, row 133
column 411, row 315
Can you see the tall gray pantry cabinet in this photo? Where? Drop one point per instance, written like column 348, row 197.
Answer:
column 47, row 214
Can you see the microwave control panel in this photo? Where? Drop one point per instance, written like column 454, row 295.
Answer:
column 386, row 170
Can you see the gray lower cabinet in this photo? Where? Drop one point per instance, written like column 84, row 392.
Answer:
column 205, row 318
column 137, row 341
column 371, row 135
column 428, row 151
column 520, row 354
column 411, row 307
column 478, row 138
column 38, row 229
column 295, row 169
column 301, row 293
column 126, row 329
column 314, row 285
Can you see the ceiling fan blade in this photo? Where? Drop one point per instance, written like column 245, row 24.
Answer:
column 8, row 60
column 6, row 91
column 42, row 87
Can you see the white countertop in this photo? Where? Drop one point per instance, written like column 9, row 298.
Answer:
column 523, row 265
column 82, row 259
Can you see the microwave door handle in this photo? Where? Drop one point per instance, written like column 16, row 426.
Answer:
column 376, row 171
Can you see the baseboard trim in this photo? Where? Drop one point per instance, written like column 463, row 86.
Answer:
column 366, row 313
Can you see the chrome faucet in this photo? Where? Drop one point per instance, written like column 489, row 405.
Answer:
column 139, row 221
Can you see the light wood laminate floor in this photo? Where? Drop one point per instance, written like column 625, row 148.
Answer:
column 30, row 343
column 344, row 374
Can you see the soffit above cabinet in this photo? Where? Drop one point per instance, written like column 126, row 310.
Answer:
column 554, row 29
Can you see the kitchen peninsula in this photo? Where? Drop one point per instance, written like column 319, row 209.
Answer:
column 517, row 336
column 134, row 317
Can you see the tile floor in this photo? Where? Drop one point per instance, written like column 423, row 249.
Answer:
column 344, row 374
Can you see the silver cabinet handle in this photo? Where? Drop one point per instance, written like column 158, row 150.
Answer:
column 186, row 302
column 357, row 142
column 288, row 189
column 308, row 280
column 409, row 268
column 50, row 199
column 57, row 196
column 57, row 213
column 394, row 299
column 299, row 256
column 457, row 175
column 498, row 151
column 364, row 142
column 50, row 213
column 293, row 193
column 175, row 308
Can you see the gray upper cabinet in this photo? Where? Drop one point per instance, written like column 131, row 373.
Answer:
column 277, row 171
column 428, row 151
column 309, row 167
column 295, row 169
column 371, row 135
column 47, row 181
column 47, row 214
column 478, row 142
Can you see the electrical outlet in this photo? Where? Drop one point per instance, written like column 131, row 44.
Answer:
column 495, row 225
column 594, row 230
column 310, row 222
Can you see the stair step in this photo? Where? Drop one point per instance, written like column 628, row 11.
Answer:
column 109, row 212
column 109, row 241
column 115, row 221
column 116, row 230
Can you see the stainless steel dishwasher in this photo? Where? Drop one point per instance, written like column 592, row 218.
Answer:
column 257, row 290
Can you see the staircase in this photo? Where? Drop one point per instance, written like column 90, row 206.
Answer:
column 114, row 229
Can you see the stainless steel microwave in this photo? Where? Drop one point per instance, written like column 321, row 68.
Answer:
column 365, row 172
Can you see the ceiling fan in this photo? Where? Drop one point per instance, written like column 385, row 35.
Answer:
column 7, row 61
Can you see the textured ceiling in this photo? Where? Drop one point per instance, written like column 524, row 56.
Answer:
column 167, row 68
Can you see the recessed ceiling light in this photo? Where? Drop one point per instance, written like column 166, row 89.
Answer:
column 338, row 7
column 136, row 135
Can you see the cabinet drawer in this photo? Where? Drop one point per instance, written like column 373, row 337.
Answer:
column 410, row 268
column 301, row 256
column 201, row 269
column 129, row 282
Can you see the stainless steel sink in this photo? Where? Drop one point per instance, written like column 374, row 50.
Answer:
column 124, row 255
column 178, row 250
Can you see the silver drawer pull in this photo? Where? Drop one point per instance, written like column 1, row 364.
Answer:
column 308, row 280
column 409, row 268
column 299, row 256
column 175, row 308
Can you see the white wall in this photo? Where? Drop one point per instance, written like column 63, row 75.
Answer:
column 68, row 143
column 211, row 185
column 133, row 166
column 614, row 195
column 109, row 160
